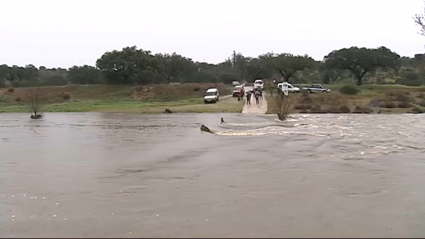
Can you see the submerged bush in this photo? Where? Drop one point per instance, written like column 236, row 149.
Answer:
column 345, row 109
column 388, row 104
column 362, row 110
column 417, row 110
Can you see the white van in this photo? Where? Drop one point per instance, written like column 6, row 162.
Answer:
column 258, row 84
column 289, row 87
column 211, row 96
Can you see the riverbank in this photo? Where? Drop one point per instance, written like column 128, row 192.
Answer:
column 396, row 99
column 187, row 98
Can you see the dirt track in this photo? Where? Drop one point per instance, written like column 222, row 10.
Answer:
column 254, row 109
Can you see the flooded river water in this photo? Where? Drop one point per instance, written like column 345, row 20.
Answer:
column 128, row 175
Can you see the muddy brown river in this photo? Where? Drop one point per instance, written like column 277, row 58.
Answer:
column 129, row 175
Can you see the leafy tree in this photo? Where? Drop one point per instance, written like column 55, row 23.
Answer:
column 267, row 62
column 128, row 66
column 254, row 68
column 410, row 77
column 84, row 75
column 331, row 75
column 171, row 66
column 360, row 61
column 239, row 64
column 203, row 76
column 228, row 78
column 30, row 73
column 287, row 64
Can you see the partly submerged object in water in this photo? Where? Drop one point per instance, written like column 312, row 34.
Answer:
column 206, row 129
column 37, row 116
column 222, row 120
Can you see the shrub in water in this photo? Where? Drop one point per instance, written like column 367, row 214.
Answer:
column 388, row 105
column 345, row 109
column 334, row 110
column 300, row 107
column 417, row 110
column 362, row 110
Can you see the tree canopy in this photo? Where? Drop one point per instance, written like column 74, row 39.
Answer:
column 132, row 65
column 360, row 61
column 288, row 64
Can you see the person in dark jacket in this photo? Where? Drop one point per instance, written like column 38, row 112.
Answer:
column 248, row 97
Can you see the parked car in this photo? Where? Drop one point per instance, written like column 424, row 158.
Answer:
column 258, row 84
column 211, row 96
column 289, row 87
column 238, row 90
column 317, row 88
column 235, row 83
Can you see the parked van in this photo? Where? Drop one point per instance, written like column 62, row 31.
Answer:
column 289, row 87
column 211, row 96
column 258, row 84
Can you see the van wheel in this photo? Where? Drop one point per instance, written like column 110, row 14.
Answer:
column 206, row 102
column 309, row 91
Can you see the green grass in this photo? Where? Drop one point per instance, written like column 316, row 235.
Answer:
column 109, row 98
column 195, row 105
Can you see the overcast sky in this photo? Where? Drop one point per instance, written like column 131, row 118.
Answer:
column 57, row 33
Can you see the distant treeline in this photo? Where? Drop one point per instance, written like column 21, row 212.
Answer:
column 136, row 66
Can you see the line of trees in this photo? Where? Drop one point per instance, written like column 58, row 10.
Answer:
column 137, row 66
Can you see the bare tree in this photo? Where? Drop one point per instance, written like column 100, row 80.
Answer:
column 420, row 20
column 34, row 103
column 283, row 105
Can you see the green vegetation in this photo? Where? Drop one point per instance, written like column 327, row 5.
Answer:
column 349, row 90
column 370, row 99
column 111, row 98
column 133, row 66
column 361, row 61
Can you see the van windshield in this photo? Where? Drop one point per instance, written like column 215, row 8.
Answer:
column 211, row 93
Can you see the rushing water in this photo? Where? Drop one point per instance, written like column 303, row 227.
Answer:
column 128, row 175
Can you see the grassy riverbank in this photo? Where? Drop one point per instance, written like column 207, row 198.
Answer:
column 109, row 98
column 187, row 98
column 370, row 99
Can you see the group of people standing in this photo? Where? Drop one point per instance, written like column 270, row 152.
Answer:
column 257, row 93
